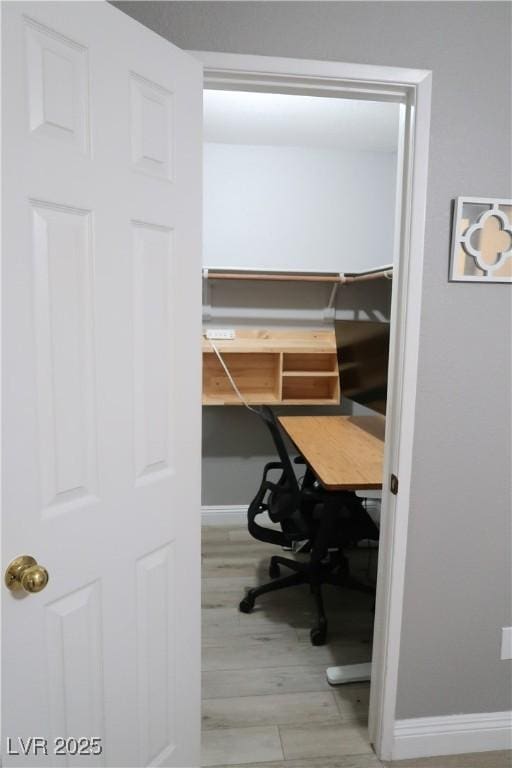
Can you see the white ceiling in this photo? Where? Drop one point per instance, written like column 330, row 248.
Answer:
column 239, row 117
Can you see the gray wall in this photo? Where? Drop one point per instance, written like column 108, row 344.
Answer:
column 458, row 564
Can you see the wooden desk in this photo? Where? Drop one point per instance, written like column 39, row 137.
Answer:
column 344, row 452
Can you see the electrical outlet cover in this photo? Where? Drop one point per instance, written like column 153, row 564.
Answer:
column 506, row 643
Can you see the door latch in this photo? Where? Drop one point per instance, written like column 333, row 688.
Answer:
column 393, row 485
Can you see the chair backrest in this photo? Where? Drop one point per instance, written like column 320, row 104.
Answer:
column 281, row 498
column 284, row 502
column 270, row 420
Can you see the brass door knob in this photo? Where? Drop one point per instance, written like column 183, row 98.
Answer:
column 23, row 573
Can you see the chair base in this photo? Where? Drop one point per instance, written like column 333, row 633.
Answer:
column 314, row 574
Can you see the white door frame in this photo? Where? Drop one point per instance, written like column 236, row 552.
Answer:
column 412, row 89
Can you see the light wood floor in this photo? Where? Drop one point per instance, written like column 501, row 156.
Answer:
column 266, row 702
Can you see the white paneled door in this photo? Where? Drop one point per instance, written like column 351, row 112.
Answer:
column 101, row 317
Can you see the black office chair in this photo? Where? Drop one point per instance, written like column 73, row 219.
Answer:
column 326, row 522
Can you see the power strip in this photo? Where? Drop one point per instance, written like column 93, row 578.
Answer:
column 220, row 333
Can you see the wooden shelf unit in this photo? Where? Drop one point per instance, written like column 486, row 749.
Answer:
column 273, row 367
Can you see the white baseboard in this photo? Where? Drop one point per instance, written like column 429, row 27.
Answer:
column 232, row 514
column 452, row 735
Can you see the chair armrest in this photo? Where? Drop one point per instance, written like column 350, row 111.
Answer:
column 267, row 484
column 270, row 466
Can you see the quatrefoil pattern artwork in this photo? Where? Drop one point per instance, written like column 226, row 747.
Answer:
column 482, row 241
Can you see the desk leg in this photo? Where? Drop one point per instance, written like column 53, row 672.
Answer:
column 349, row 673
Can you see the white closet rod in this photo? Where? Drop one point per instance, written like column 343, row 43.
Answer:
column 313, row 277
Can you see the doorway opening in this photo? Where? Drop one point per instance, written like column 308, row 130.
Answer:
column 303, row 180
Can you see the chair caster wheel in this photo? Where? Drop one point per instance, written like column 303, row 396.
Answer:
column 318, row 635
column 247, row 604
column 274, row 570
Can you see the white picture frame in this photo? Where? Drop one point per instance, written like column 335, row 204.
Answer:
column 467, row 261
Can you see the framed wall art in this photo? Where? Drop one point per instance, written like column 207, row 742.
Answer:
column 482, row 240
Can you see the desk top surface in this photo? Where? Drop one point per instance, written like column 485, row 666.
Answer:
column 345, row 452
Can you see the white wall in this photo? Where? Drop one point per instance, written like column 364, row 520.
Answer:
column 297, row 207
